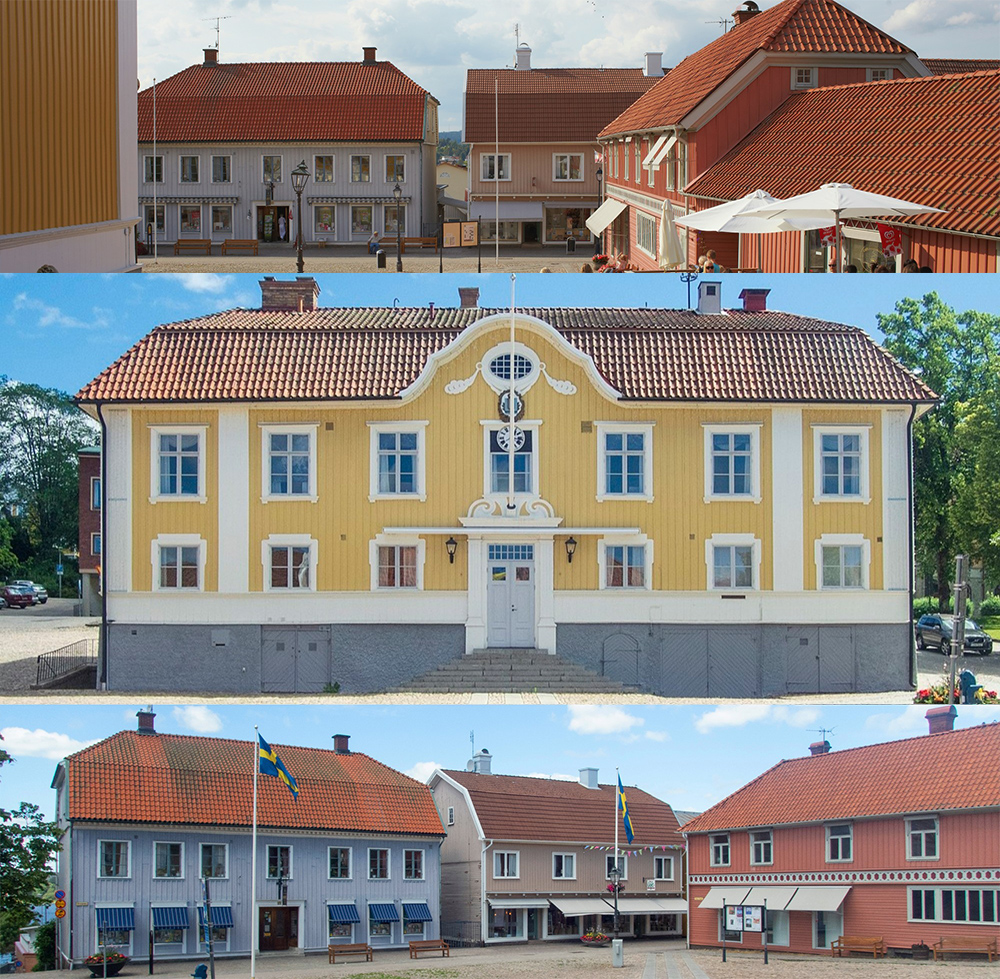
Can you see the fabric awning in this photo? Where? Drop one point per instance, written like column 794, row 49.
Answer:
column 672, row 905
column 777, row 898
column 383, row 912
column 509, row 210
column 417, row 912
column 604, row 215
column 644, row 905
column 664, row 150
column 170, row 917
column 122, row 919
column 817, row 899
column 343, row 914
column 518, row 902
column 189, row 200
column 357, row 200
column 572, row 907
column 720, row 897
column 222, row 916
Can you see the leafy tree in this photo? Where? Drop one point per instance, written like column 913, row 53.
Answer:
column 45, row 947
column 8, row 559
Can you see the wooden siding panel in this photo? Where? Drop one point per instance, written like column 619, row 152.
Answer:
column 531, row 170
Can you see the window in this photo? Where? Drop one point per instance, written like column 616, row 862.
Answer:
column 341, row 919
column 505, row 863
column 488, row 169
column 509, row 230
column 214, row 860
column 803, row 78
column 777, row 928
column 760, row 847
column 113, row 858
column 645, row 233
column 168, row 859
column 567, row 166
column 879, row 74
column 624, row 462
column 663, row 868
column 153, row 169
column 637, row 149
column 922, row 838
column 167, row 927
column 609, row 862
column 177, row 464
column 451, row 815
column 397, row 567
column 839, row 843
column 720, row 850
column 732, row 462
column 222, row 169
column 625, row 566
column 361, row 169
column 361, row 219
column 966, row 904
column 499, row 461
column 625, row 150
column 340, row 862
column 289, row 462
column 289, row 562
column 377, row 926
column 95, row 544
column 325, row 218
column 190, row 169
column 733, row 561
column 323, row 169
column 395, row 169
column 564, row 866
column 222, row 218
column 413, row 926
column 841, row 464
column 190, row 218
column 378, row 864
column 272, row 169
column 95, row 492
column 500, row 367
column 279, row 862
column 842, row 561
column 394, row 219
column 220, row 933
column 178, row 562
column 413, row 865
column 155, row 219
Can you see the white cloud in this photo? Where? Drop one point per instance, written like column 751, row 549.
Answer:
column 796, row 716
column 423, row 770
column 20, row 742
column 930, row 16
column 597, row 719
column 54, row 316
column 657, row 736
column 198, row 718
column 735, row 716
column 204, row 282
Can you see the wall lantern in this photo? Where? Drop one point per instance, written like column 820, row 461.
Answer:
column 452, row 546
column 570, row 549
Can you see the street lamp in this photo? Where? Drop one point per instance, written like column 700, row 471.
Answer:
column 615, row 874
column 397, row 193
column 300, row 176
column 600, row 177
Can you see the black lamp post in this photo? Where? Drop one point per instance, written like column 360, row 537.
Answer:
column 397, row 194
column 615, row 874
column 300, row 176
column 600, row 177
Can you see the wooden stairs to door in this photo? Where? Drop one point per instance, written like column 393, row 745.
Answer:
column 512, row 671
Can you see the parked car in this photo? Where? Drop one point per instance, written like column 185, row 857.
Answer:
column 17, row 596
column 41, row 595
column 936, row 631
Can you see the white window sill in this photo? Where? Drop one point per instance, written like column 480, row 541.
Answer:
column 290, row 497
column 420, row 497
column 832, row 498
column 178, row 498
column 733, row 498
column 611, row 497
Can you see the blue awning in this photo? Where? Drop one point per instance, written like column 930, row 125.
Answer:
column 417, row 912
column 120, row 919
column 222, row 916
column 383, row 912
column 170, row 917
column 344, row 914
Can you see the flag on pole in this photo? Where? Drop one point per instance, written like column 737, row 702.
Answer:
column 271, row 764
column 623, row 806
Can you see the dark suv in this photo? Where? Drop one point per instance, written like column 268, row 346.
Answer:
column 936, row 631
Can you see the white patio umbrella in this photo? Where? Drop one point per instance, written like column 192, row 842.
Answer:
column 832, row 203
column 671, row 254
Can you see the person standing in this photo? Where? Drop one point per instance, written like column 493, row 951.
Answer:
column 282, row 228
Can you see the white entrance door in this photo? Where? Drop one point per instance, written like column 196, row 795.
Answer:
column 510, row 590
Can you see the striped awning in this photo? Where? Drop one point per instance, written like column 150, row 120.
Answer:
column 357, row 200
column 120, row 919
column 189, row 200
column 343, row 914
column 170, row 917
column 222, row 916
column 417, row 912
column 383, row 912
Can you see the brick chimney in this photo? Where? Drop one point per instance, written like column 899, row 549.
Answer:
column 819, row 748
column 211, row 57
column 340, row 744
column 710, row 298
column 742, row 16
column 146, row 721
column 654, row 64
column 941, row 719
column 289, row 297
column 588, row 778
column 369, row 56
column 754, row 300
column 523, row 58
column 468, row 298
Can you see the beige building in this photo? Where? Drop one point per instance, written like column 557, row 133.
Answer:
column 452, row 185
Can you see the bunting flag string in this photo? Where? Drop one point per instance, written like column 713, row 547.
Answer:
column 635, row 852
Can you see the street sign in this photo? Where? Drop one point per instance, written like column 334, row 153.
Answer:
column 60, row 895
column 60, row 912
column 60, row 904
column 59, row 569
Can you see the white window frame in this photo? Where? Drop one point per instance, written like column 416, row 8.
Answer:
column 281, row 168
column 658, row 876
column 713, row 852
column 95, row 492
column 883, row 70
column 397, row 540
column 158, row 843
column 267, row 859
column 802, row 83
column 128, row 862
column 216, row 209
column 864, row 496
column 759, row 847
column 388, row 862
column 516, row 854
column 385, row 168
column 229, row 167
column 497, row 169
column 732, row 540
column 360, row 156
column 490, row 427
column 451, row 815
column 632, row 540
column 178, row 541
column 938, row 889
column 350, row 864
column 190, row 206
column 225, row 847
column 563, row 876
column 501, row 384
column 937, row 839
column 353, row 925
column 180, row 167
column 753, row 430
column 423, row 863
column 841, row 541
column 150, row 156
column 625, row 153
column 155, row 431
column 829, row 837
column 375, row 429
column 333, row 167
column 568, row 157
column 625, row 428
column 289, row 540
column 266, row 431
column 645, row 233
column 609, row 863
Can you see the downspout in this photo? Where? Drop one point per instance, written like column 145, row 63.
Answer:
column 909, row 533
column 687, row 891
column 482, row 887
column 102, row 679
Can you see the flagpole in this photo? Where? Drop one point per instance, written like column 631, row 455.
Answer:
column 510, row 406
column 496, row 163
column 253, row 858
column 615, row 878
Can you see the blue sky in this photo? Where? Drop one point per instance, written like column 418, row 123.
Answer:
column 689, row 756
column 63, row 330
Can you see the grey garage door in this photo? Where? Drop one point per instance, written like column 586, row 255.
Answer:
column 295, row 659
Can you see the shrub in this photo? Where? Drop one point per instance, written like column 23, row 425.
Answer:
column 928, row 604
column 989, row 607
column 45, row 941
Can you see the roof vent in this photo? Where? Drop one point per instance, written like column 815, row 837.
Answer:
column 468, row 298
column 654, row 64
column 754, row 300
column 523, row 57
column 588, row 778
column 340, row 744
column 940, row 719
column 211, row 57
column 819, row 748
column 710, row 298
column 369, row 56
column 481, row 762
column 146, row 721
column 289, row 297
column 742, row 16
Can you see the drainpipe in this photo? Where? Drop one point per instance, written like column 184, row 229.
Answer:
column 687, row 890
column 484, row 924
column 909, row 532
column 102, row 678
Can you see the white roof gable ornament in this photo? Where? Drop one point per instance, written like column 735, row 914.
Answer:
column 495, row 368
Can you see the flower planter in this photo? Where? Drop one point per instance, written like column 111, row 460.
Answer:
column 113, row 969
column 591, row 944
column 921, row 951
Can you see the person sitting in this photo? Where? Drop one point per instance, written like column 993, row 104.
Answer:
column 710, row 264
column 373, row 243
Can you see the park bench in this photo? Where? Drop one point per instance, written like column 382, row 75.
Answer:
column 240, row 245
column 389, row 243
column 430, row 945
column 193, row 245
column 858, row 943
column 360, row 949
column 964, row 943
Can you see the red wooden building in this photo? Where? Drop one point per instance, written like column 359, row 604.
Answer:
column 899, row 841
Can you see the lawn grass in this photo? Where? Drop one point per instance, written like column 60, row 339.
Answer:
column 991, row 625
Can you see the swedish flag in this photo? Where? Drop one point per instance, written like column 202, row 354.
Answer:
column 271, row 764
column 623, row 806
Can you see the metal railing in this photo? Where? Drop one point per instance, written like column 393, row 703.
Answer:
column 60, row 663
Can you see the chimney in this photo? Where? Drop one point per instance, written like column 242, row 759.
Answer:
column 709, row 298
column 819, row 748
column 146, row 721
column 588, row 778
column 369, row 56
column 523, row 57
column 742, row 16
column 340, row 744
column 940, row 719
column 431, row 311
column 468, row 298
column 288, row 297
column 654, row 64
column 211, row 57
column 754, row 300
column 480, row 763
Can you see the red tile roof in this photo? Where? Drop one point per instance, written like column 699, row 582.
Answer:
column 512, row 807
column 934, row 140
column 934, row 773
column 955, row 66
column 665, row 354
column 168, row 778
column 285, row 101
column 791, row 26
column 541, row 105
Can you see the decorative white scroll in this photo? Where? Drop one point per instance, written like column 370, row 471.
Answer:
column 459, row 386
column 560, row 387
column 535, row 508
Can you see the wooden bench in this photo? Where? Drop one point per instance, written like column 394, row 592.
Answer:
column 858, row 943
column 430, row 945
column 963, row 943
column 240, row 245
column 193, row 245
column 360, row 949
column 389, row 243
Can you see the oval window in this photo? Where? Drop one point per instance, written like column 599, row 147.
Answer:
column 500, row 367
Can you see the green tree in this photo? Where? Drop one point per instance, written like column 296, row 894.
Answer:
column 8, row 559
column 45, row 947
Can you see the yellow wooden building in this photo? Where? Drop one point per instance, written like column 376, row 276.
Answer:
column 709, row 502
